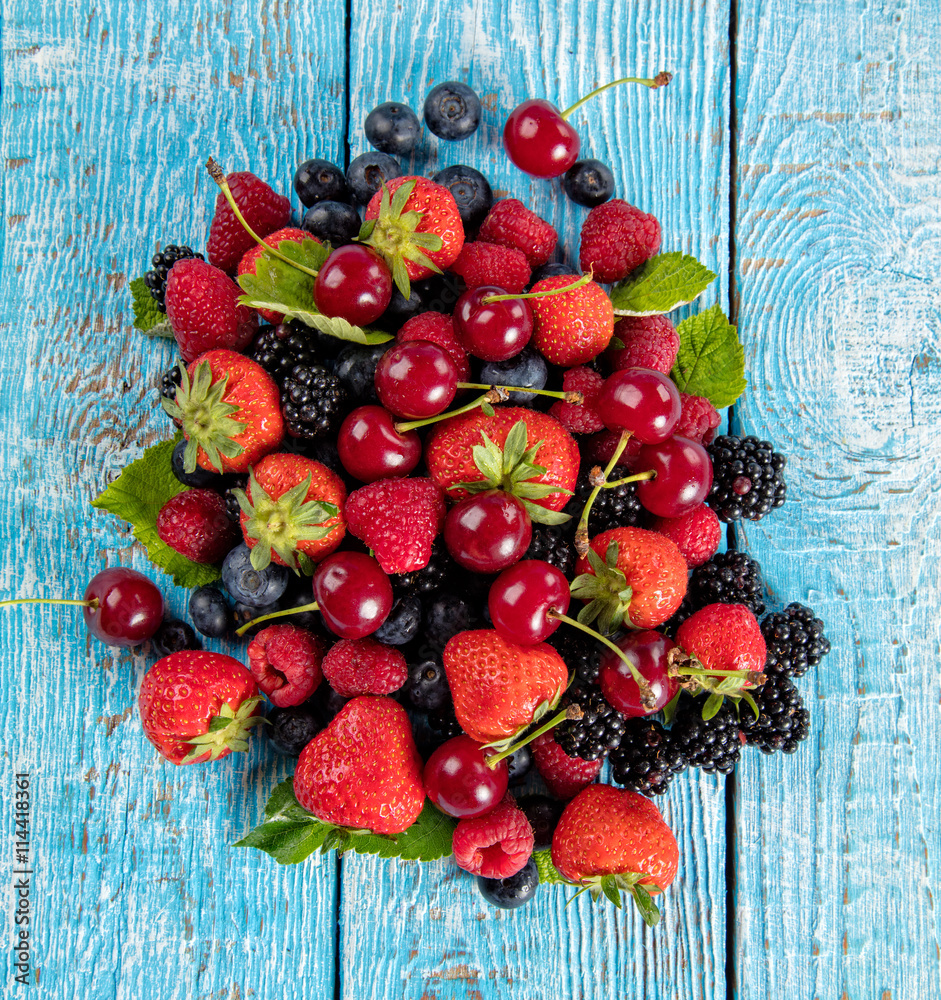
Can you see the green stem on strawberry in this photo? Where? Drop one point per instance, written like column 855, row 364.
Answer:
column 581, row 532
column 495, row 394
column 660, row 80
column 574, row 396
column 314, row 606
column 569, row 712
column 544, row 294
column 228, row 731
column 638, row 477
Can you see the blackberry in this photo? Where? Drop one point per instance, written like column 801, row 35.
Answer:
column 232, row 508
column 582, row 655
column 795, row 641
column 598, row 731
column 170, row 382
column 711, row 744
column 430, row 578
column 747, row 478
column 727, row 578
column 782, row 721
column 314, row 402
column 278, row 349
column 156, row 280
column 550, row 544
column 444, row 725
column 647, row 758
column 617, row 507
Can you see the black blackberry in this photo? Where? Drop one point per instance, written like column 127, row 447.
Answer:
column 711, row 744
column 782, row 721
column 581, row 653
column 647, row 758
column 795, row 641
column 617, row 507
column 170, row 382
column 597, row 732
column 314, row 402
column 551, row 544
column 430, row 578
column 279, row 348
column 747, row 478
column 232, row 508
column 727, row 578
column 156, row 280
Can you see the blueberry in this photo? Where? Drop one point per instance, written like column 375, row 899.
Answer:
column 527, row 369
column 401, row 309
column 293, row 728
column 446, row 615
column 551, row 270
column 588, row 182
column 254, row 587
column 543, row 814
column 174, row 636
column 245, row 613
column 452, row 110
column 518, row 764
column 198, row 479
column 333, row 222
column 427, row 686
column 402, row 623
column 513, row 891
column 356, row 369
column 367, row 173
column 471, row 191
column 320, row 180
column 392, row 128
column 298, row 599
column 327, row 703
column 210, row 612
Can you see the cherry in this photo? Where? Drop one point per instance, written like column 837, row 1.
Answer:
column 682, row 476
column 459, row 782
column 355, row 284
column 488, row 532
column 370, row 447
column 642, row 401
column 520, row 597
column 353, row 593
column 539, row 140
column 648, row 652
column 416, row 379
column 492, row 331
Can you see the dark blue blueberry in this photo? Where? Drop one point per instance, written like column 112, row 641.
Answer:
column 299, row 595
column 518, row 764
column 588, row 182
column 293, row 728
column 543, row 814
column 368, row 172
column 527, row 369
column 247, row 585
column 402, row 624
column 448, row 614
column 210, row 612
column 401, row 309
column 427, row 686
column 471, row 191
column 199, row 479
column 392, row 128
column 356, row 369
column 174, row 636
column 332, row 222
column 320, row 180
column 452, row 110
column 513, row 891
column 551, row 270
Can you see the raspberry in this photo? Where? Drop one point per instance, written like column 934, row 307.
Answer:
column 616, row 239
column 698, row 420
column 598, row 449
column 364, row 666
column 249, row 260
column 194, row 523
column 564, row 776
column 696, row 534
column 511, row 224
column 490, row 264
column 580, row 418
column 495, row 845
column 285, row 661
column 649, row 342
column 437, row 328
column 263, row 209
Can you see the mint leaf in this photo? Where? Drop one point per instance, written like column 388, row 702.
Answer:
column 548, row 873
column 661, row 284
column 711, row 360
column 137, row 496
column 147, row 317
column 427, row 839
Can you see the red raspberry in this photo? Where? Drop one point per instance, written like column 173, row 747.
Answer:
column 250, row 259
column 285, row 661
column 649, row 342
column 698, row 420
column 696, row 534
column 495, row 845
column 264, row 210
column 439, row 329
column 490, row 264
column 580, row 418
column 564, row 776
column 364, row 666
column 511, row 224
column 616, row 239
column 194, row 523
column 599, row 448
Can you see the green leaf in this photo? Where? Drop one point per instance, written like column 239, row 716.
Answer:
column 548, row 873
column 137, row 495
column 662, row 284
column 542, row 515
column 711, row 359
column 147, row 315
column 427, row 839
column 711, row 707
column 647, row 908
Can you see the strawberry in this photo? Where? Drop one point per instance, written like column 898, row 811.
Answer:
column 249, row 261
column 197, row 706
column 203, row 310
column 398, row 519
column 263, row 209
column 611, row 840
column 363, row 771
column 630, row 575
column 364, row 666
column 230, row 412
column 292, row 512
column 500, row 687
column 572, row 327
column 194, row 523
column 285, row 661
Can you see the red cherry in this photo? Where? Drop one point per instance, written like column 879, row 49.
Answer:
column 354, row 284
column 459, row 782
column 642, row 401
column 492, row 331
column 683, row 476
column 129, row 607
column 488, row 532
column 520, row 597
column 353, row 593
column 539, row 140
column 648, row 652
column 370, row 447
column 416, row 379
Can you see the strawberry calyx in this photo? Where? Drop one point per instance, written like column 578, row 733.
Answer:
column 606, row 590
column 611, row 887
column 227, row 731
column 206, row 418
column 280, row 525
column 736, row 685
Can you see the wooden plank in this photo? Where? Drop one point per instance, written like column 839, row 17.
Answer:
column 837, row 850
column 424, row 930
column 109, row 111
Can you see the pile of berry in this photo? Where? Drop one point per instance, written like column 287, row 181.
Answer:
column 473, row 549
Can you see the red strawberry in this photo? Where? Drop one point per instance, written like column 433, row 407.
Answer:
column 203, row 310
column 363, row 770
column 194, row 523
column 511, row 224
column 572, row 327
column 230, row 412
column 616, row 239
column 263, row 209
column 495, row 845
column 489, row 264
column 285, row 661
column 292, row 511
column 580, row 418
column 249, row 261
column 564, row 776
column 439, row 329
column 611, row 840
column 498, row 686
column 398, row 519
column 364, row 666
column 183, row 697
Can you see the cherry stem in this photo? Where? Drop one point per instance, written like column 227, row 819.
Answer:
column 581, row 532
column 217, row 174
column 91, row 603
column 574, row 396
column 544, row 294
column 638, row 477
column 569, row 712
column 496, row 394
column 276, row 614
column 660, row 80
